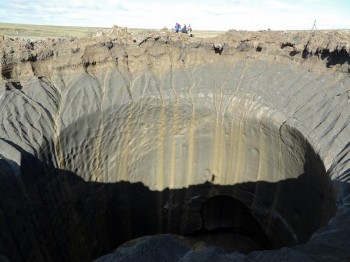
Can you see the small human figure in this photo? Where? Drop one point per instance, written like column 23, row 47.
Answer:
column 189, row 30
column 184, row 29
column 177, row 27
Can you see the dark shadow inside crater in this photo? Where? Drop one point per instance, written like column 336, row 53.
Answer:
column 229, row 224
column 49, row 214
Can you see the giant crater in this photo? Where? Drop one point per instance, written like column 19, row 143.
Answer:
column 162, row 147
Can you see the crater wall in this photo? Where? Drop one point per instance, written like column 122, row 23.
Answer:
column 121, row 136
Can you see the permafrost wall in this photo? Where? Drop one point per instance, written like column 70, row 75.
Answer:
column 117, row 137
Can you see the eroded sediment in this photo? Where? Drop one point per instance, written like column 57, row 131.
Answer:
column 121, row 136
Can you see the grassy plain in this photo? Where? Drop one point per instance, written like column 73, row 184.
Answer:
column 39, row 31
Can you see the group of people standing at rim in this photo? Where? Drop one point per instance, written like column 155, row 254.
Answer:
column 184, row 29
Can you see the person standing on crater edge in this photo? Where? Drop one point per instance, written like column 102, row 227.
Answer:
column 184, row 29
column 177, row 27
column 189, row 30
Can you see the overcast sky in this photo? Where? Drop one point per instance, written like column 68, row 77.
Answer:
column 204, row 14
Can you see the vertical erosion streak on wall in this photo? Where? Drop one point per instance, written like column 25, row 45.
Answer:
column 218, row 155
